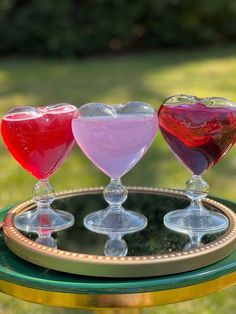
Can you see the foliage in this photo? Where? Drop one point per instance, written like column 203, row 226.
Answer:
column 79, row 27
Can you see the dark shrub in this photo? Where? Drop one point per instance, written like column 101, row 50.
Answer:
column 78, row 27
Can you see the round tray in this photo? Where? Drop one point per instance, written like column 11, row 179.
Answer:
column 153, row 251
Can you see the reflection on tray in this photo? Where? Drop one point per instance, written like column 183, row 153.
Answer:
column 154, row 239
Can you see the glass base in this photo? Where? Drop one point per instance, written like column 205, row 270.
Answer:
column 47, row 241
column 203, row 222
column 118, row 221
column 191, row 245
column 44, row 221
column 116, row 247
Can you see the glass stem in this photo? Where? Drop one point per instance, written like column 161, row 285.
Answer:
column 115, row 236
column 46, row 239
column 115, row 194
column 195, row 239
column 196, row 204
column 197, row 190
column 44, row 195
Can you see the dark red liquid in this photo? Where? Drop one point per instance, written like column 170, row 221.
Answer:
column 199, row 135
column 40, row 144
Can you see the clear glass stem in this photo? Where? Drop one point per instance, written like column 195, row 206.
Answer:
column 115, row 221
column 196, row 220
column 115, row 194
column 43, row 194
column 46, row 238
column 44, row 220
column 197, row 190
column 115, row 246
column 195, row 239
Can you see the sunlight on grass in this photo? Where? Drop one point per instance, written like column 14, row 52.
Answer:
column 3, row 80
column 117, row 93
column 16, row 99
column 218, row 303
column 202, row 78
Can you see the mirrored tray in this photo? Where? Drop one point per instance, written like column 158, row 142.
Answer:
column 153, row 251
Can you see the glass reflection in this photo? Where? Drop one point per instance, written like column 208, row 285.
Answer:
column 155, row 239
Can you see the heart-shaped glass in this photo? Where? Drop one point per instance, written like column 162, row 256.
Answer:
column 40, row 139
column 114, row 138
column 199, row 132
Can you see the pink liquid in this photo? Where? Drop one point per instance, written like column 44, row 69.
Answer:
column 40, row 143
column 115, row 144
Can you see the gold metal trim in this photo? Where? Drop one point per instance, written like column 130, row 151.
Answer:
column 115, row 301
column 130, row 266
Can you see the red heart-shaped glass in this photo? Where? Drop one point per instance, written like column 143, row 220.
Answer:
column 199, row 131
column 39, row 138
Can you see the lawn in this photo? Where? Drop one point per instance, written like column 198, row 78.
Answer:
column 149, row 77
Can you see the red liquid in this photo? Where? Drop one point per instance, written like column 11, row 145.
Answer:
column 199, row 135
column 39, row 143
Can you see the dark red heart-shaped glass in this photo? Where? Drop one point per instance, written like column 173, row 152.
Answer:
column 199, row 131
column 39, row 138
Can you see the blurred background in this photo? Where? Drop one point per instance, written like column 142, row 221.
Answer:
column 114, row 51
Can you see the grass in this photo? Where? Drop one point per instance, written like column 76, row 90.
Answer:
column 150, row 77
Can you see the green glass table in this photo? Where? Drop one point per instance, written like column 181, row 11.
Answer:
column 38, row 284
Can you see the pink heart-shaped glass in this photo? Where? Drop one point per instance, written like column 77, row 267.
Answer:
column 40, row 139
column 199, row 132
column 115, row 138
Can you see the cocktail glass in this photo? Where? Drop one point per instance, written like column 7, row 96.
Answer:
column 40, row 138
column 114, row 138
column 199, row 132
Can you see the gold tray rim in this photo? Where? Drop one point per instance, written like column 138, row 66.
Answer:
column 129, row 266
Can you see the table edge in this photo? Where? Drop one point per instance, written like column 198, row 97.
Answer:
column 108, row 301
